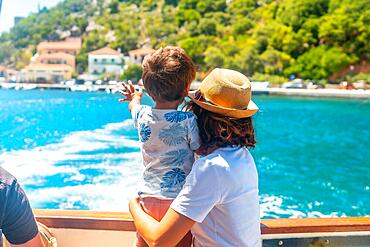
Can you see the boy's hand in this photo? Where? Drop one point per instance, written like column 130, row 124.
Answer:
column 130, row 92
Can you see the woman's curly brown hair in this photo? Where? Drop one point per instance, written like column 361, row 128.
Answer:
column 216, row 130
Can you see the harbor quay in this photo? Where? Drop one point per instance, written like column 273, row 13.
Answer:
column 325, row 93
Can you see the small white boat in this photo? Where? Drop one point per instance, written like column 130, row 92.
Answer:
column 261, row 85
column 92, row 88
column 78, row 88
column 114, row 90
column 28, row 86
column 6, row 85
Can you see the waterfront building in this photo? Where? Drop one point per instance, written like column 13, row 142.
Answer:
column 54, row 61
column 105, row 61
column 56, row 58
column 70, row 46
column 7, row 74
column 45, row 73
column 137, row 56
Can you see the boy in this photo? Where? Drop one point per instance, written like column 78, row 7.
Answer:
column 168, row 137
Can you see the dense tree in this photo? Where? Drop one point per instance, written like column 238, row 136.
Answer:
column 295, row 12
column 275, row 61
column 114, row 7
column 6, row 51
column 132, row 72
column 320, row 62
column 214, row 58
column 241, row 7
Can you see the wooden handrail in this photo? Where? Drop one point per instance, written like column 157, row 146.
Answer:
column 122, row 221
column 84, row 219
column 310, row 225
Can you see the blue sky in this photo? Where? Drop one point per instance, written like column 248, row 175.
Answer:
column 12, row 8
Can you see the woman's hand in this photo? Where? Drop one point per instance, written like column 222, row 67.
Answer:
column 134, row 203
column 130, row 92
column 168, row 232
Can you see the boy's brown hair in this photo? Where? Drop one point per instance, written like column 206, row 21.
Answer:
column 167, row 74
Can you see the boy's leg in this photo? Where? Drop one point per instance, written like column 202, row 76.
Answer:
column 157, row 208
column 150, row 206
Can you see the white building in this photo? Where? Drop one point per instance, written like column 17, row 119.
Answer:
column 137, row 56
column 105, row 61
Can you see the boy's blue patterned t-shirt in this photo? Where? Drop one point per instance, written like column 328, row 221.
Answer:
column 168, row 139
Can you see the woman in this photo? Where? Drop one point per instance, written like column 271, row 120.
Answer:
column 219, row 201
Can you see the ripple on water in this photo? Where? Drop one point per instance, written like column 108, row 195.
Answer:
column 78, row 151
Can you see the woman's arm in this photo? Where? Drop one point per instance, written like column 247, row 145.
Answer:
column 168, row 232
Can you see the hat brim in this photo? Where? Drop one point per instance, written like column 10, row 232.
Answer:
column 250, row 110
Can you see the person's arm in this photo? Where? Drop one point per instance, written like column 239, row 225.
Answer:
column 19, row 225
column 168, row 232
column 199, row 195
column 131, row 95
column 35, row 242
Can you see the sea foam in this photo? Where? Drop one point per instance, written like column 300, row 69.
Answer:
column 99, row 170
column 53, row 175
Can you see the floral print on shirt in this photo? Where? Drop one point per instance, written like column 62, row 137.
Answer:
column 177, row 116
column 167, row 139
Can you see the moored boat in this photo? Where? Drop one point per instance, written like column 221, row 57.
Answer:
column 78, row 88
column 29, row 86
column 7, row 85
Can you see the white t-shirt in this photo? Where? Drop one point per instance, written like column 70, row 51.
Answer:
column 221, row 195
column 167, row 138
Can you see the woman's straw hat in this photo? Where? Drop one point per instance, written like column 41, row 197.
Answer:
column 226, row 92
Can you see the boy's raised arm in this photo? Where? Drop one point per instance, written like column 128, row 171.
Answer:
column 131, row 95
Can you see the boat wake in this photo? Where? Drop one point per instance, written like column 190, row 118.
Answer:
column 100, row 170
column 95, row 170
column 274, row 207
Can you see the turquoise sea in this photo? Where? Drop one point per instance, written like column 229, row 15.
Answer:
column 74, row 150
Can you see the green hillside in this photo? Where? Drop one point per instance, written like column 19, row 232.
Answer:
column 309, row 38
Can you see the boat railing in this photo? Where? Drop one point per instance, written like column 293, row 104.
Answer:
column 354, row 231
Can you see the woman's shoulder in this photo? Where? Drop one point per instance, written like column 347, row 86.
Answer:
column 225, row 160
column 212, row 161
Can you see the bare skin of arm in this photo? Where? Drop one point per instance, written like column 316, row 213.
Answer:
column 131, row 95
column 168, row 232
column 35, row 242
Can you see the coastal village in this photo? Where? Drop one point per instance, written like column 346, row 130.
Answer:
column 294, row 173
column 55, row 62
column 85, row 55
column 54, row 67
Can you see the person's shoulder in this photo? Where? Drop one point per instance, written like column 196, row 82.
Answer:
column 6, row 179
column 144, row 107
column 141, row 110
column 223, row 159
column 7, row 183
column 211, row 162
